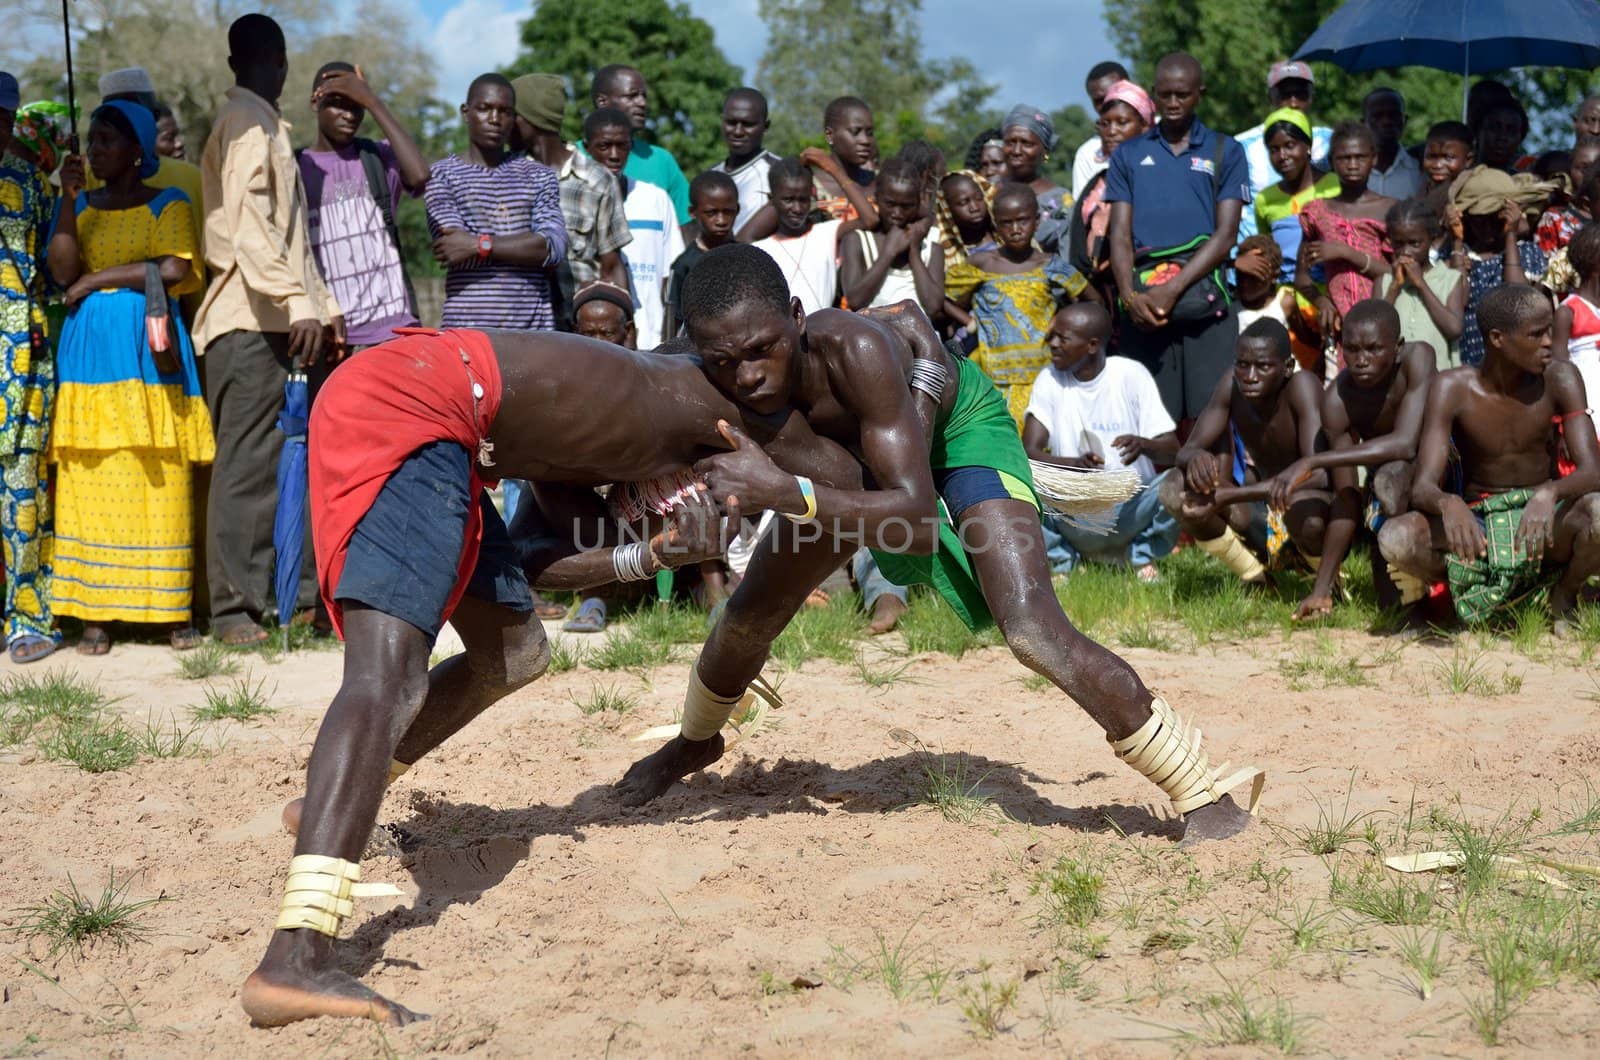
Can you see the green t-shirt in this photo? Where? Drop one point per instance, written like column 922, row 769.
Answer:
column 655, row 165
column 1278, row 215
column 1415, row 323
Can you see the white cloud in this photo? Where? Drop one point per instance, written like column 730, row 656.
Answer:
column 474, row 36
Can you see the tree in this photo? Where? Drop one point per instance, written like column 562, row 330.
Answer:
column 184, row 46
column 676, row 52
column 818, row 50
column 1237, row 41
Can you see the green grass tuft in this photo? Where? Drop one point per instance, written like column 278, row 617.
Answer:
column 930, row 626
column 70, row 921
column 606, row 700
column 1071, row 890
column 947, row 785
column 238, row 702
column 211, row 659
column 828, row 632
column 628, row 651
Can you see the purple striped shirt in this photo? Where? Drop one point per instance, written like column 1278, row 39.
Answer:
column 515, row 197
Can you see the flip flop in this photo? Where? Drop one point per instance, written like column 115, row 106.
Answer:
column 94, row 642
column 242, row 635
column 589, row 618
column 31, row 647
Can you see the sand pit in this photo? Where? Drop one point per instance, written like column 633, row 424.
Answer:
column 805, row 900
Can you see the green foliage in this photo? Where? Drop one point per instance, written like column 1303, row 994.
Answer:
column 820, row 49
column 240, row 701
column 1237, row 41
column 677, row 53
column 72, row 921
column 1071, row 891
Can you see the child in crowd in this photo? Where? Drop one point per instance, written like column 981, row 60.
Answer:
column 806, row 250
column 1012, row 292
column 1577, row 322
column 962, row 209
column 1088, row 410
column 843, row 168
column 652, row 218
column 899, row 259
column 1431, row 299
column 1344, row 234
column 1559, row 224
column 1270, row 300
column 1494, row 250
column 714, row 204
column 1446, row 154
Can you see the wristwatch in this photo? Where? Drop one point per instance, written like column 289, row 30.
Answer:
column 485, row 246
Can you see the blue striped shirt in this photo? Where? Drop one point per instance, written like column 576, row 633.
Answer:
column 516, row 197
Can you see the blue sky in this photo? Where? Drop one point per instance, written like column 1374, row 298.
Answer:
column 1054, row 41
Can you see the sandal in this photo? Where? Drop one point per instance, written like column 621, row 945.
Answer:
column 242, row 635
column 589, row 618
column 185, row 638
column 95, row 641
column 31, row 647
column 547, row 609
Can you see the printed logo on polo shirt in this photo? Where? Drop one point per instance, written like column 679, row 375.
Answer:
column 1202, row 165
column 1148, row 161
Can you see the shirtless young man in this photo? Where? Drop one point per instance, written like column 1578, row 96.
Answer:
column 1371, row 418
column 1506, row 418
column 401, row 441
column 848, row 376
column 1266, row 412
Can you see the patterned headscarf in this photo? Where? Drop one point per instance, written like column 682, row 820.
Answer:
column 949, row 231
column 44, row 128
column 1036, row 121
column 1134, row 96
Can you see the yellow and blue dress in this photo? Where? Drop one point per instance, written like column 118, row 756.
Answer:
column 125, row 435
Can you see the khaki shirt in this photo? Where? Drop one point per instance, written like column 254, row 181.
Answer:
column 263, row 274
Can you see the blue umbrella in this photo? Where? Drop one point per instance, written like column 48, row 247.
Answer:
column 1462, row 36
column 289, row 521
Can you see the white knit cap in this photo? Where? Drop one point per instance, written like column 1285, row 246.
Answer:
column 123, row 82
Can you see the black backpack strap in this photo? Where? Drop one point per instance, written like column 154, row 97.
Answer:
column 378, row 185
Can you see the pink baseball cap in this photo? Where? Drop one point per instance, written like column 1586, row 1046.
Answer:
column 1283, row 71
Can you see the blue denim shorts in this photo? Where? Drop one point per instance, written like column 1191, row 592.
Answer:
column 405, row 552
column 962, row 487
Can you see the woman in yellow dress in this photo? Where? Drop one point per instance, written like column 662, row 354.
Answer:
column 1012, row 293
column 126, row 433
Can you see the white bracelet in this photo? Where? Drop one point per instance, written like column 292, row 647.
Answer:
column 631, row 562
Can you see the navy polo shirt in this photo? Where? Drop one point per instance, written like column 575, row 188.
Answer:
column 1172, row 193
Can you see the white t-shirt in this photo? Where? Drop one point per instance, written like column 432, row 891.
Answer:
column 1122, row 399
column 656, row 244
column 810, row 263
column 1085, row 164
column 751, row 180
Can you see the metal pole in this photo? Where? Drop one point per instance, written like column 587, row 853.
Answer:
column 72, row 101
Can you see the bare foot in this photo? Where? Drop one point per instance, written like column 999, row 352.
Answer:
column 886, row 614
column 291, row 815
column 1220, row 820
column 652, row 775
column 296, row 981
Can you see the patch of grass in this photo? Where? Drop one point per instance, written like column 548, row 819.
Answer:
column 1071, row 890
column 565, row 655
column 169, row 741
column 1101, row 598
column 1385, row 897
column 608, row 699
column 827, row 632
column 1528, row 626
column 628, row 651
column 1584, row 623
column 671, row 623
column 947, row 785
column 1234, row 1018
column 70, row 921
column 769, row 985
column 1308, row 926
column 1513, row 974
column 1467, row 674
column 1336, row 827
column 1232, row 933
column 881, row 677
column 1143, row 633
column 1420, row 950
column 30, row 703
column 985, row 1006
column 1322, row 666
column 98, row 743
column 209, row 660
column 930, row 626
column 240, row 701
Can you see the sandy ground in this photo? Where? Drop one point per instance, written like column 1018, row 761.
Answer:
column 542, row 918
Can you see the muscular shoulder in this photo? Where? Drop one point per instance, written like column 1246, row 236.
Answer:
column 1449, row 387
column 1305, row 392
column 864, row 358
column 1417, row 365
column 1565, row 386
